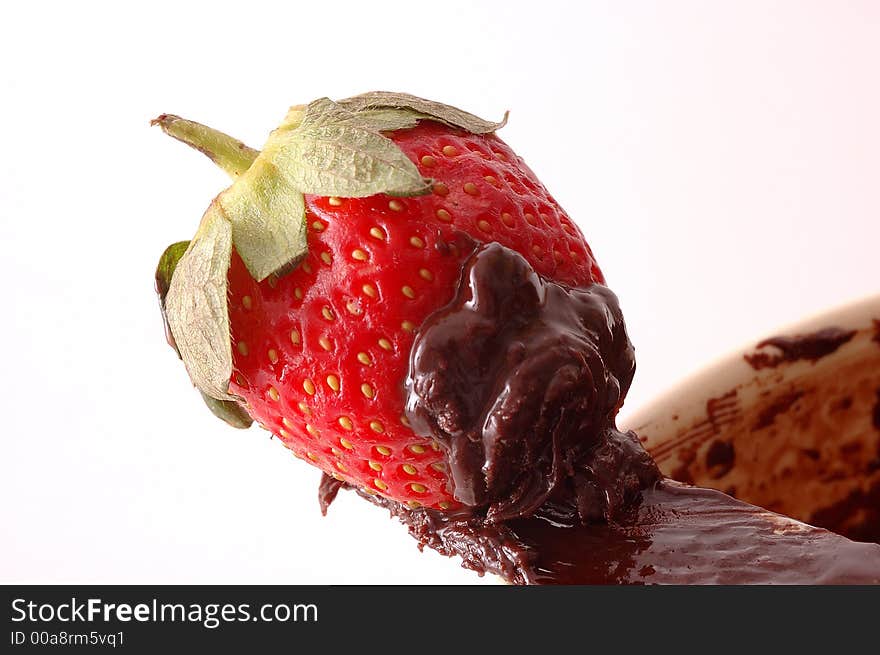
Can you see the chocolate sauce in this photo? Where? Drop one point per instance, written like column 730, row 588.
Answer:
column 779, row 406
column 810, row 347
column 720, row 458
column 687, row 535
column 676, row 535
column 857, row 516
column 327, row 490
column 876, row 416
column 519, row 380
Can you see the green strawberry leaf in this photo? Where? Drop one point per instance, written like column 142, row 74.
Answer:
column 334, row 152
column 429, row 109
column 166, row 267
column 268, row 219
column 196, row 309
column 164, row 272
column 229, row 411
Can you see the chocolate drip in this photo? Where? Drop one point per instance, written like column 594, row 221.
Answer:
column 327, row 490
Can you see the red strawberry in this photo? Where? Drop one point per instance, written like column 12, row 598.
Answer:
column 320, row 354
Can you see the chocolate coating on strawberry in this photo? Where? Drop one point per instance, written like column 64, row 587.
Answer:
column 519, row 379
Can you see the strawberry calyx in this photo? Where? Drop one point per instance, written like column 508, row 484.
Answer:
column 325, row 148
column 387, row 103
column 229, row 411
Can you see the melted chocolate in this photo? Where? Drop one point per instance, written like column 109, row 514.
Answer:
column 687, row 535
column 720, row 458
column 676, row 535
column 876, row 416
column 810, row 347
column 857, row 516
column 779, row 406
column 519, row 380
column 327, row 490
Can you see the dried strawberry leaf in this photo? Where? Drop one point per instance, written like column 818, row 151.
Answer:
column 164, row 272
column 196, row 307
column 429, row 109
column 228, row 410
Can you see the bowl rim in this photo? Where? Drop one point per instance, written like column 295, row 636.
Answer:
column 730, row 368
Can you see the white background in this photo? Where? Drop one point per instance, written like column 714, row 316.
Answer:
column 723, row 159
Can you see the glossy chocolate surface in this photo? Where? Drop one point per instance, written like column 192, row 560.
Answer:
column 519, row 379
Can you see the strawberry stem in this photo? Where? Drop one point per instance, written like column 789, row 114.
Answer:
column 230, row 154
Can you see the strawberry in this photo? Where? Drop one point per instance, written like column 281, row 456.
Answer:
column 319, row 353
